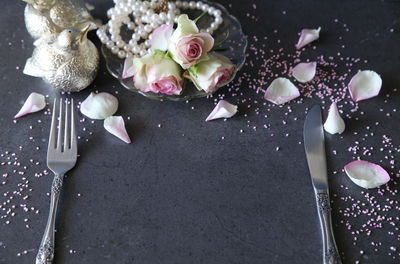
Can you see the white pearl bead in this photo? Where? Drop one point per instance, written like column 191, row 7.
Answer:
column 135, row 50
column 217, row 13
column 204, row 7
column 120, row 43
column 114, row 49
column 143, row 52
column 163, row 16
column 213, row 26
column 109, row 44
column 127, row 48
column 178, row 3
column 185, row 5
column 192, row 5
column 121, row 54
column 135, row 36
column 148, row 28
column 218, row 20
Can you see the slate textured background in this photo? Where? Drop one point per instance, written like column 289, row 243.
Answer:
column 179, row 193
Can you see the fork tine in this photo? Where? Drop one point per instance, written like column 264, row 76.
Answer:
column 66, row 132
column 60, row 126
column 52, row 137
column 73, row 130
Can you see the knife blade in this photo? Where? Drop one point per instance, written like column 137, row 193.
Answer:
column 315, row 148
column 314, row 144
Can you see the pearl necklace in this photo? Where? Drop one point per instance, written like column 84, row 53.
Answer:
column 145, row 21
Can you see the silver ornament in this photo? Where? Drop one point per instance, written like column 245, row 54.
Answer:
column 52, row 16
column 68, row 61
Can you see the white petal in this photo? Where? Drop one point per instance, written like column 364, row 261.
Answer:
column 116, row 126
column 160, row 37
column 223, row 110
column 99, row 106
column 281, row 91
column 34, row 103
column 364, row 85
column 366, row 174
column 307, row 36
column 334, row 124
column 305, row 72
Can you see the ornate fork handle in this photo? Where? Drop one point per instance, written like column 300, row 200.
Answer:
column 331, row 254
column 46, row 250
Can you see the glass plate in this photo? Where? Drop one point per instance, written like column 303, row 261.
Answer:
column 235, row 46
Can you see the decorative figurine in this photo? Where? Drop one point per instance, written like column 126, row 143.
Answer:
column 44, row 17
column 68, row 61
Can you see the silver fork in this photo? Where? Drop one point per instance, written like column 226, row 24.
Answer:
column 61, row 157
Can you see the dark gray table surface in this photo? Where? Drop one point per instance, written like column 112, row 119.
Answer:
column 197, row 192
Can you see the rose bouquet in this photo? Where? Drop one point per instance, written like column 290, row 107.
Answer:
column 176, row 55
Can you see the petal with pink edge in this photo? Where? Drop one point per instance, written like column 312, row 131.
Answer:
column 160, row 37
column 281, row 91
column 116, row 126
column 34, row 103
column 366, row 174
column 365, row 85
column 99, row 105
column 307, row 36
column 128, row 70
column 305, row 71
column 222, row 110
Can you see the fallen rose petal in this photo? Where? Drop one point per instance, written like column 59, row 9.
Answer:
column 128, row 70
column 365, row 85
column 304, row 72
column 281, row 91
column 34, row 103
column 222, row 110
column 116, row 126
column 99, row 106
column 334, row 123
column 366, row 174
column 307, row 36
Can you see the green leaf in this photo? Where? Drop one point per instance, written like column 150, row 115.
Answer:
column 194, row 70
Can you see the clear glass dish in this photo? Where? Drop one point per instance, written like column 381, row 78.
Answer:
column 234, row 47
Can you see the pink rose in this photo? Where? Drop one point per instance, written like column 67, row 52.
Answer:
column 211, row 73
column 186, row 45
column 167, row 85
column 155, row 73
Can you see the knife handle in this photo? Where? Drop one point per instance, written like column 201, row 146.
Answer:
column 331, row 253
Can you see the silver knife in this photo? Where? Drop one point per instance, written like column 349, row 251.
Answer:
column 316, row 157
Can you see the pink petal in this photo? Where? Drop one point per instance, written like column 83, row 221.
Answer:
column 366, row 174
column 222, row 110
column 307, row 36
column 305, row 71
column 281, row 91
column 116, row 126
column 129, row 70
column 364, row 85
column 34, row 103
column 160, row 37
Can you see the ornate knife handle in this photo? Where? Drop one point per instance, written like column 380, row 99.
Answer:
column 331, row 254
column 46, row 250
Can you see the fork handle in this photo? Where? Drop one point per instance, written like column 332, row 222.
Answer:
column 46, row 250
column 331, row 254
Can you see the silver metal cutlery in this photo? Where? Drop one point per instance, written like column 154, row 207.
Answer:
column 316, row 157
column 61, row 157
